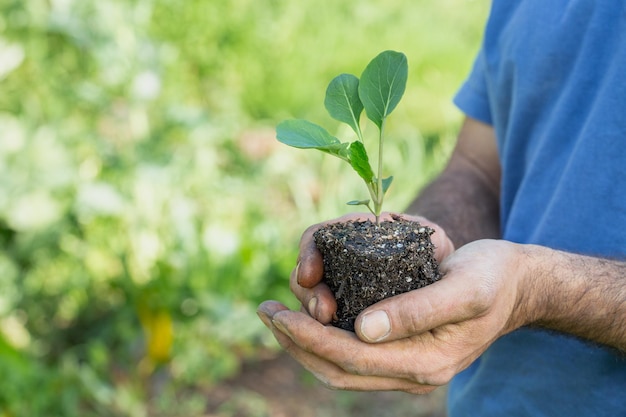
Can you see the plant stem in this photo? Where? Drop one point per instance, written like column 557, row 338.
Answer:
column 359, row 133
column 380, row 194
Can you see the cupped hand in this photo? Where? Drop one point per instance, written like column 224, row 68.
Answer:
column 305, row 280
column 419, row 340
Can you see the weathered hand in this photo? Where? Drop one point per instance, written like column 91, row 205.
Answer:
column 315, row 296
column 419, row 340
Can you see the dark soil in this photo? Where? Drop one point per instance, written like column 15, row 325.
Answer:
column 365, row 263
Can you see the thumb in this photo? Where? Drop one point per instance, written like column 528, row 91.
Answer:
column 449, row 300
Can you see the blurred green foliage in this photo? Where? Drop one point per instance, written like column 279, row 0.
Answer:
column 145, row 207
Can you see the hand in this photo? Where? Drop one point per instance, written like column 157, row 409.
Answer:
column 305, row 279
column 419, row 340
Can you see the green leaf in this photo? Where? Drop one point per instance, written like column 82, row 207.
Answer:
column 306, row 135
column 387, row 183
column 342, row 100
column 358, row 203
column 360, row 161
column 382, row 85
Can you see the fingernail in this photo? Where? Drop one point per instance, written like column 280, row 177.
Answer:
column 297, row 272
column 281, row 327
column 265, row 319
column 375, row 326
column 313, row 307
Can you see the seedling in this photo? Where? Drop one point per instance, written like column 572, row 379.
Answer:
column 378, row 91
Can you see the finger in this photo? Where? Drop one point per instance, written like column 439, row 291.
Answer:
column 310, row 268
column 318, row 301
column 417, row 359
column 450, row 300
column 333, row 375
column 267, row 309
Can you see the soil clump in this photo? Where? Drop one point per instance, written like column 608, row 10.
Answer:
column 365, row 263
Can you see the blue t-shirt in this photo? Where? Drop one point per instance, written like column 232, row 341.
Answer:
column 551, row 79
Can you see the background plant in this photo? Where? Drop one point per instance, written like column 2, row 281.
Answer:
column 144, row 208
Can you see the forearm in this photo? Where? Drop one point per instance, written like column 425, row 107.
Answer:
column 580, row 295
column 464, row 199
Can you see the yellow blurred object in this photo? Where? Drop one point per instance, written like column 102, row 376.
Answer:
column 159, row 331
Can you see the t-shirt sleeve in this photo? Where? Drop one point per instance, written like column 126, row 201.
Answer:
column 473, row 96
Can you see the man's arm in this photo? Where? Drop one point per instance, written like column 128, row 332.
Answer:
column 576, row 294
column 464, row 198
